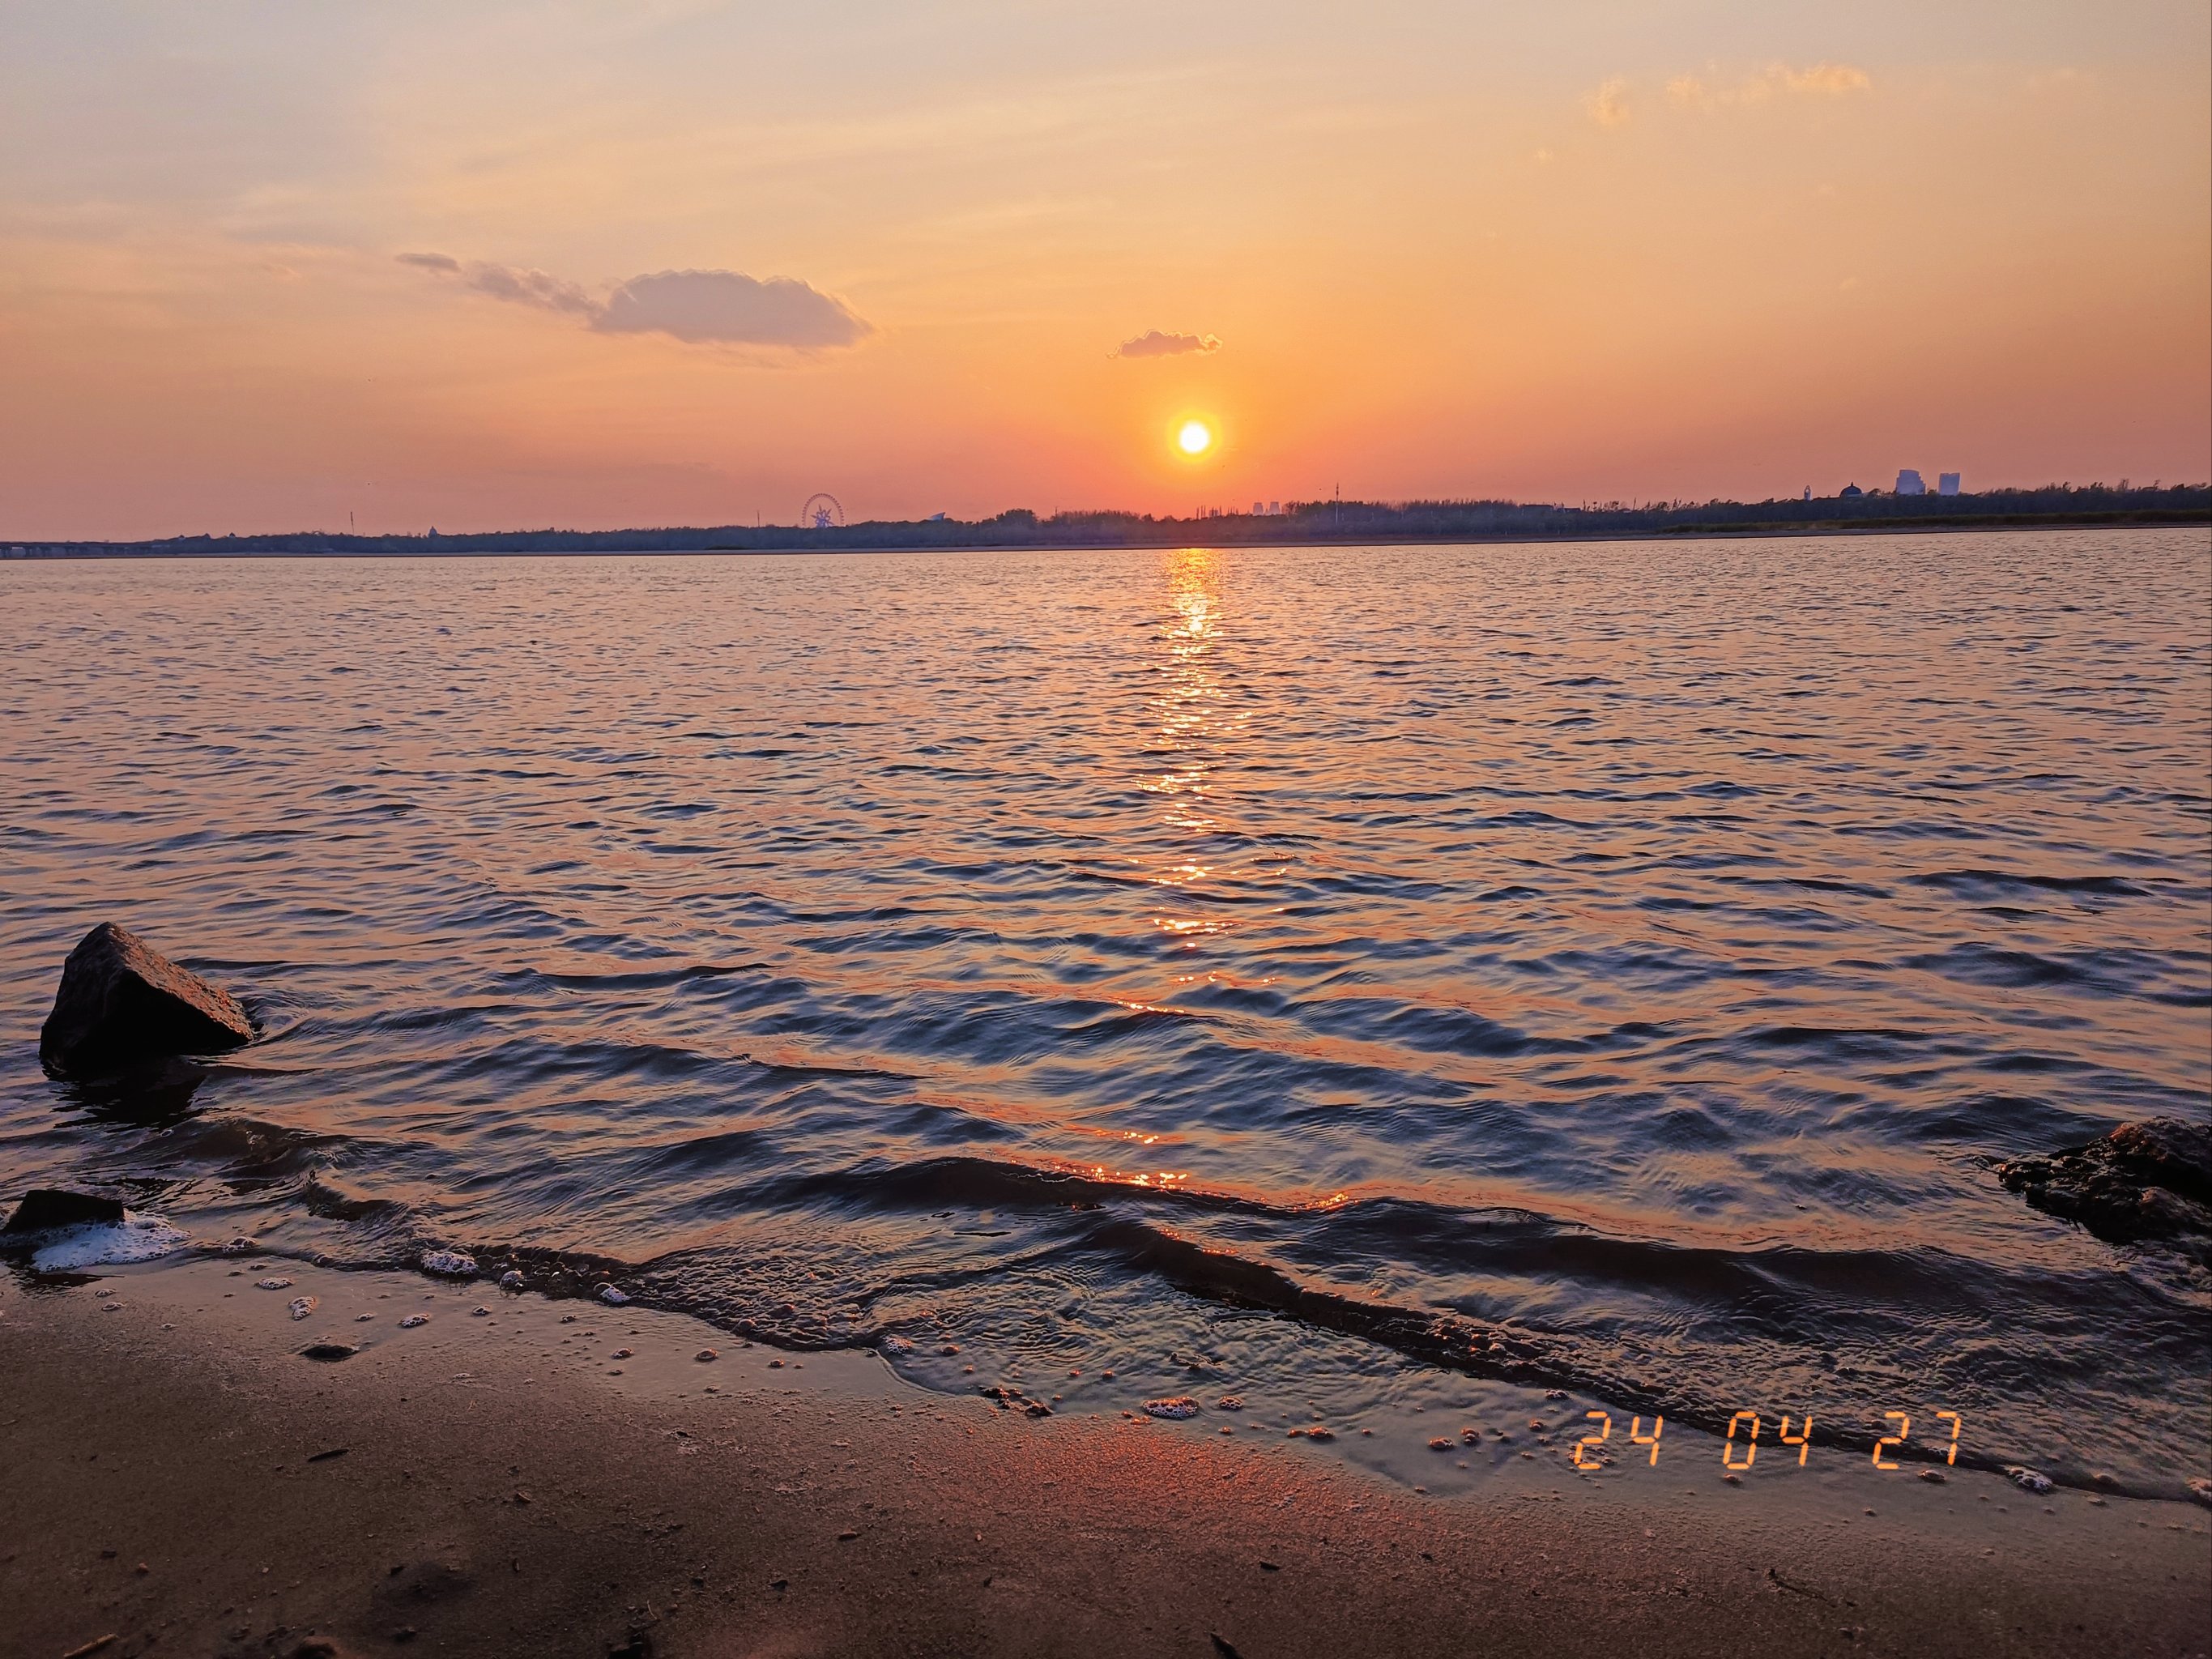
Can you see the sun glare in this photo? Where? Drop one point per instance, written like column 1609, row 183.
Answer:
column 1195, row 438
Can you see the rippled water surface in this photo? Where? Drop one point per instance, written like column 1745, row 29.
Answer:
column 1614, row 966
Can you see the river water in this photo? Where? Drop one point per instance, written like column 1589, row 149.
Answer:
column 1617, row 967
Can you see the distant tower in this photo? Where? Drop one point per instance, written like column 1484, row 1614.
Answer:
column 1909, row 483
column 1259, row 510
column 1947, row 483
column 1808, row 492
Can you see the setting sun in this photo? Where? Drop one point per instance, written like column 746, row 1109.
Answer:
column 1195, row 438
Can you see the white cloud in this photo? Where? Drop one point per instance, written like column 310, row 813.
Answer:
column 1154, row 343
column 1608, row 105
column 1774, row 81
column 701, row 308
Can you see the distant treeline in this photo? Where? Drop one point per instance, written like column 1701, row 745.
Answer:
column 1299, row 522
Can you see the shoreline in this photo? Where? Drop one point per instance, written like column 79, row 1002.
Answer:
column 507, row 1483
column 1782, row 530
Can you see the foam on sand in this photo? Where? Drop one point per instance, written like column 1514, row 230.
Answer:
column 134, row 1239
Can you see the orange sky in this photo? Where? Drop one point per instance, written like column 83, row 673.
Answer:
column 1609, row 250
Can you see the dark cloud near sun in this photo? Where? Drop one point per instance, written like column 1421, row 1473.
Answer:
column 1155, row 344
column 701, row 307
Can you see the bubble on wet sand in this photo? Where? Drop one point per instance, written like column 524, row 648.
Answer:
column 2028, row 1479
column 610, row 1296
column 2201, row 1490
column 272, row 1284
column 479, row 1313
column 414, row 1319
column 895, row 1344
column 449, row 1264
column 100, row 1244
column 706, row 1356
column 1230, row 1403
column 511, row 1280
column 1176, row 1407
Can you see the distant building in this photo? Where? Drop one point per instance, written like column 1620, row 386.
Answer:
column 1808, row 492
column 1909, row 483
column 1849, row 492
column 1947, row 483
column 1259, row 510
column 1274, row 509
column 934, row 518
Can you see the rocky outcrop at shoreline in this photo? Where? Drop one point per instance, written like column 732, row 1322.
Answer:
column 2148, row 1181
column 45, row 1208
column 122, row 1002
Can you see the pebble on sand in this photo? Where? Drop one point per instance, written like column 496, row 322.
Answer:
column 450, row 1264
column 2028, row 1479
column 272, row 1284
column 479, row 1313
column 1177, row 1407
column 706, row 1356
column 610, row 1296
column 511, row 1280
column 413, row 1320
column 300, row 1306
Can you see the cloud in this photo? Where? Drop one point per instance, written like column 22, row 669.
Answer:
column 730, row 308
column 531, row 287
column 1157, row 344
column 701, row 307
column 1608, row 105
column 1774, row 81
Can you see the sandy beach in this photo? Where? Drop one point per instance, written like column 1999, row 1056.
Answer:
column 556, row 1477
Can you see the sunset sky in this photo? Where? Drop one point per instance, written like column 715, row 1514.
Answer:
column 265, row 265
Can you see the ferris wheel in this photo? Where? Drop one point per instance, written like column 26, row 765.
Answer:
column 822, row 511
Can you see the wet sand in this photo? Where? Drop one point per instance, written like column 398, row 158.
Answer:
column 175, row 1474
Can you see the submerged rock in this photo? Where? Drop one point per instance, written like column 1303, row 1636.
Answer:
column 121, row 1002
column 2144, row 1181
column 45, row 1208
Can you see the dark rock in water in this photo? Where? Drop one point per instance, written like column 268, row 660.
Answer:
column 2144, row 1181
column 44, row 1207
column 122, row 1002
